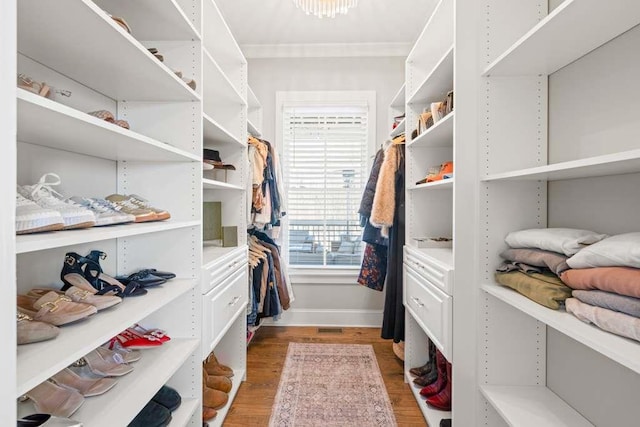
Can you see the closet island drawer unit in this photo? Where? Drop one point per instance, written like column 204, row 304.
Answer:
column 434, row 265
column 225, row 262
column 430, row 307
column 222, row 306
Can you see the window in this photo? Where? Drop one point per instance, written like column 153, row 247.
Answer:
column 325, row 160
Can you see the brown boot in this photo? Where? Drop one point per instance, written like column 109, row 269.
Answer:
column 213, row 367
column 215, row 399
column 216, row 382
column 208, row 413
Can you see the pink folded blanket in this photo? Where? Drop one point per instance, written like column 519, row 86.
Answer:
column 610, row 321
column 619, row 280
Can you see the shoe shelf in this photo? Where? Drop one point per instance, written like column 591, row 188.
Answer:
column 39, row 361
column 399, row 130
column 121, row 404
column 238, row 377
column 532, row 406
column 181, row 417
column 217, row 136
column 592, row 23
column 437, row 83
column 444, row 184
column 218, row 90
column 58, row 239
column 44, row 122
column 619, row 349
column 211, row 184
column 609, row 164
column 152, row 19
column 253, row 130
column 432, row 415
column 438, row 135
column 95, row 51
column 398, row 101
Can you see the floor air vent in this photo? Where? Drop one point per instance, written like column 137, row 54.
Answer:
column 329, row 330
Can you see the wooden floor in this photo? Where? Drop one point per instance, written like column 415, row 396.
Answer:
column 265, row 359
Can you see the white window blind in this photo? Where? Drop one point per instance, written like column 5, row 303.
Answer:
column 325, row 162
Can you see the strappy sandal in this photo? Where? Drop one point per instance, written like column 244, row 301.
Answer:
column 131, row 339
column 158, row 333
column 27, row 83
column 73, row 276
column 95, row 275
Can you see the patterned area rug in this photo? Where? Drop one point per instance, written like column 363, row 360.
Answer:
column 331, row 385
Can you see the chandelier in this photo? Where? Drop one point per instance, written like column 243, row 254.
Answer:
column 326, row 8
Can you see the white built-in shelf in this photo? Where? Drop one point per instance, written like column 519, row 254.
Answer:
column 437, row 84
column 253, row 129
column 437, row 35
column 432, row 415
column 215, row 135
column 152, row 19
column 400, row 129
column 136, row 388
column 218, row 91
column 438, row 135
column 573, row 29
column 44, row 122
column 236, row 380
column 398, row 101
column 39, row 361
column 211, row 253
column 443, row 184
column 181, row 417
column 95, row 51
column 609, row 164
column 532, row 406
column 252, row 100
column 217, row 37
column 58, row 239
column 619, row 349
column 211, row 184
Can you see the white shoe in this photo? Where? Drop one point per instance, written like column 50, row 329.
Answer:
column 31, row 218
column 104, row 211
column 46, row 420
column 42, row 193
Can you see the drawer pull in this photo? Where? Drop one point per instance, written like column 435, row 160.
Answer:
column 417, row 301
column 234, row 301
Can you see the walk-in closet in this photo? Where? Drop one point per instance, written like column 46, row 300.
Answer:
column 320, row 213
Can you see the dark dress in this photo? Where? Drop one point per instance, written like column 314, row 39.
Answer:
column 393, row 316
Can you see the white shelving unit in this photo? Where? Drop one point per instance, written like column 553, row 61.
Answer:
column 432, row 416
column 445, row 184
column 439, row 135
column 254, row 122
column 541, row 167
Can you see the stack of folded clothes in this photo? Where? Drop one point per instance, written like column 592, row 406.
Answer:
column 536, row 259
column 605, row 278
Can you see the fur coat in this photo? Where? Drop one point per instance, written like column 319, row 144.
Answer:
column 384, row 204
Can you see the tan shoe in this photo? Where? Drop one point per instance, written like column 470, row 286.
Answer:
column 213, row 367
column 215, row 399
column 144, row 204
column 208, row 413
column 106, row 367
column 100, row 302
column 49, row 398
column 86, row 386
column 55, row 309
column 125, row 205
column 216, row 382
column 30, row 331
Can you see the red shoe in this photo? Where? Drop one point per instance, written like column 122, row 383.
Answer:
column 442, row 400
column 133, row 340
column 441, row 382
column 158, row 333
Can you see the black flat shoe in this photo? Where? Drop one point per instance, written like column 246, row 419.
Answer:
column 143, row 278
column 168, row 397
column 152, row 415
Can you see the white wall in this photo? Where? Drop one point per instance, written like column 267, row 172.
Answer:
column 349, row 303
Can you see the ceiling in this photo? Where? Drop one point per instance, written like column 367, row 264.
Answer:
column 279, row 22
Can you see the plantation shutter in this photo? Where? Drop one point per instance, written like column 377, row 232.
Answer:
column 325, row 162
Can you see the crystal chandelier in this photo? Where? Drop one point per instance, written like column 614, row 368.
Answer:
column 326, row 8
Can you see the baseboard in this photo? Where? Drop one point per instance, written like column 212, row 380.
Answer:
column 319, row 317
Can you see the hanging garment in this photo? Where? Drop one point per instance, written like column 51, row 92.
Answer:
column 366, row 204
column 384, row 201
column 393, row 316
column 374, row 267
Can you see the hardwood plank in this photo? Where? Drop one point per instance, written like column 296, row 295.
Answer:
column 265, row 360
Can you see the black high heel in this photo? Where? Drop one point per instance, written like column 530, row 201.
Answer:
column 95, row 275
column 72, row 274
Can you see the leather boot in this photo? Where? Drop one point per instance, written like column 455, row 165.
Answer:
column 216, row 382
column 215, row 399
column 213, row 367
column 441, row 382
column 445, row 423
column 428, row 378
column 208, row 413
column 442, row 400
column 427, row 367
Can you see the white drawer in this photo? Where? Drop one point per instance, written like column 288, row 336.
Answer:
column 221, row 306
column 431, row 308
column 435, row 265
column 217, row 271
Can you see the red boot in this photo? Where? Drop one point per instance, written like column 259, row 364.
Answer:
column 442, row 400
column 441, row 382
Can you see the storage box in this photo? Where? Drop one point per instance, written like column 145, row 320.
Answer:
column 212, row 221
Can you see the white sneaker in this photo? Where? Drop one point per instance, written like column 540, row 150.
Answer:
column 105, row 213
column 74, row 215
column 31, row 218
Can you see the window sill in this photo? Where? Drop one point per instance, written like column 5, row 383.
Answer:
column 330, row 275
